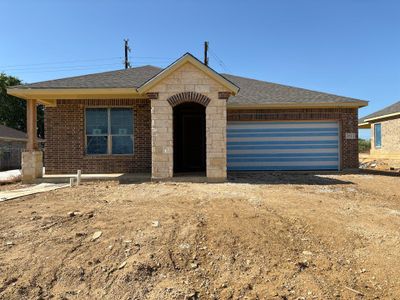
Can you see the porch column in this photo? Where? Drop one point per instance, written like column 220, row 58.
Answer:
column 32, row 158
column 161, row 139
column 31, row 125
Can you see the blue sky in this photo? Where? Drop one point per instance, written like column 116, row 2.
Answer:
column 345, row 47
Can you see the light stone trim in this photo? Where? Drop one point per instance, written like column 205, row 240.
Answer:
column 188, row 78
column 32, row 165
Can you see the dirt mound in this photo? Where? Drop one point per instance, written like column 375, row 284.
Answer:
column 205, row 241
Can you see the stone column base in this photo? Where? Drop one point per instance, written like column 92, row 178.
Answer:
column 32, row 166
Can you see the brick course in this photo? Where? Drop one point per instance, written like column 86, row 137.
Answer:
column 65, row 138
column 347, row 118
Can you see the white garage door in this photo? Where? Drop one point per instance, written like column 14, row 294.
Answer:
column 283, row 146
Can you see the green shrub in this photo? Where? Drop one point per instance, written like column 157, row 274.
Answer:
column 364, row 145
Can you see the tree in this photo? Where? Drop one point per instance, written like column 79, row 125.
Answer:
column 364, row 145
column 13, row 109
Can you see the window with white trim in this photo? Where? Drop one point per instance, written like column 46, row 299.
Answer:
column 109, row 131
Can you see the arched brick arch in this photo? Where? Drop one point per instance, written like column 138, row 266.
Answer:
column 188, row 97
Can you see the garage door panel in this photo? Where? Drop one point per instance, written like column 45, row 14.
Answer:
column 285, row 142
column 283, row 168
column 280, row 138
column 279, row 154
column 283, row 145
column 283, row 163
column 258, row 125
column 293, row 151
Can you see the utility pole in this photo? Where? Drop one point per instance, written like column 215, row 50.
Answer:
column 206, row 53
column 127, row 50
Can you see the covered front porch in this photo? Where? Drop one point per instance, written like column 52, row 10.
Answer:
column 176, row 123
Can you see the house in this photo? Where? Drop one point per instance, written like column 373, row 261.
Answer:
column 385, row 131
column 12, row 143
column 187, row 118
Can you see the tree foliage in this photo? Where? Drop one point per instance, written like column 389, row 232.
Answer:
column 364, row 145
column 13, row 109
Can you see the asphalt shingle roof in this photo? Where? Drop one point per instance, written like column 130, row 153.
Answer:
column 126, row 78
column 254, row 91
column 251, row 91
column 7, row 132
column 391, row 109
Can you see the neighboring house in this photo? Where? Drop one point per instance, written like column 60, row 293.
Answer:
column 189, row 118
column 385, row 131
column 12, row 143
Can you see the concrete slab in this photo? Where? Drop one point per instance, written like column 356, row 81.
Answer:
column 121, row 177
column 39, row 188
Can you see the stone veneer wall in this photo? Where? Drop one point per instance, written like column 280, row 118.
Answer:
column 31, row 165
column 390, row 129
column 188, row 79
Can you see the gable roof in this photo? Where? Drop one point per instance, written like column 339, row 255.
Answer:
column 11, row 133
column 189, row 58
column 252, row 92
column 8, row 133
column 389, row 111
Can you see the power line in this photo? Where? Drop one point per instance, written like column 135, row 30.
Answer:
column 38, row 68
column 87, row 60
column 219, row 61
column 68, row 69
column 156, row 57
column 62, row 62
column 49, row 66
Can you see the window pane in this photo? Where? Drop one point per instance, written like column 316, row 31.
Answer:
column 96, row 145
column 96, row 121
column 378, row 135
column 121, row 121
column 122, row 144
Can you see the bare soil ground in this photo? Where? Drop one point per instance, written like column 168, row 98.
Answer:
column 386, row 165
column 261, row 236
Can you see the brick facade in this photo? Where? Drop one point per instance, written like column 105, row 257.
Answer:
column 390, row 131
column 347, row 118
column 65, row 139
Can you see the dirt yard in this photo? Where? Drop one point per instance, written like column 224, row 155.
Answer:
column 256, row 237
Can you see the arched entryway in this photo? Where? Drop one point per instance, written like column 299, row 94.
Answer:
column 189, row 138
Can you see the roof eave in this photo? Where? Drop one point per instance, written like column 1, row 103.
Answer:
column 364, row 125
column 373, row 119
column 357, row 104
column 45, row 96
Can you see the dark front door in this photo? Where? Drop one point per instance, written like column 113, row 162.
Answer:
column 189, row 138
